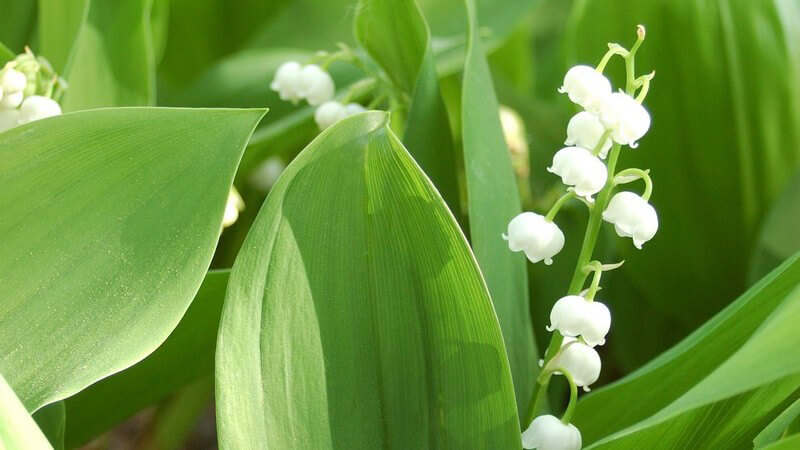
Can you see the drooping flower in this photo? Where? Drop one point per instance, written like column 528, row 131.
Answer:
column 549, row 433
column 574, row 316
column 12, row 81
column 586, row 87
column 11, row 101
column 329, row 113
column 625, row 117
column 538, row 237
column 580, row 360
column 354, row 108
column 632, row 217
column 233, row 206
column 263, row 177
column 315, row 84
column 579, row 168
column 585, row 130
column 285, row 82
column 37, row 107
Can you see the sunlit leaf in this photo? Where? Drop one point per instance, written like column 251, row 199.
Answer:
column 17, row 428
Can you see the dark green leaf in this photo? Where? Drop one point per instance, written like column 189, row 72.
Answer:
column 17, row 23
column 777, row 427
column 779, row 237
column 51, row 419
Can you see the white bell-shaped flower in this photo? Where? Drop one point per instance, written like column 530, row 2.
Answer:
column 266, row 174
column 632, row 217
column 581, row 361
column 585, row 130
column 37, row 107
column 354, row 108
column 574, row 316
column 11, row 101
column 549, row 433
column 625, row 117
column 9, row 118
column 315, row 84
column 579, row 168
column 586, row 87
column 12, row 81
column 286, row 81
column 329, row 113
column 233, row 206
column 539, row 238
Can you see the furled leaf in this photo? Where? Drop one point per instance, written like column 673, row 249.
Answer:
column 791, row 442
column 110, row 218
column 51, row 419
column 728, row 408
column 17, row 23
column 779, row 237
column 17, row 428
column 356, row 316
column 493, row 201
column 634, row 398
column 5, row 54
column 396, row 35
column 186, row 355
column 773, row 432
column 725, row 138
column 60, row 23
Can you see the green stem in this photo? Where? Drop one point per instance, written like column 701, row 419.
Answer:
column 573, row 398
column 557, row 205
column 640, row 174
column 598, row 273
column 601, row 142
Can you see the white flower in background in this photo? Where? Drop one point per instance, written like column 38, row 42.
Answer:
column 549, row 433
column 539, row 238
column 329, row 113
column 12, row 81
column 625, row 117
column 286, row 80
column 315, row 84
column 632, row 217
column 233, row 206
column 10, row 101
column 354, row 108
column 580, row 360
column 574, row 316
column 263, row 177
column 585, row 130
column 37, row 107
column 579, row 168
column 586, row 87
column 9, row 118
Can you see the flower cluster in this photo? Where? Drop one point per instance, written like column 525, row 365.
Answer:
column 294, row 82
column 587, row 166
column 26, row 89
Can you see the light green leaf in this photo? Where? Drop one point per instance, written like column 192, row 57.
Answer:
column 355, row 295
column 113, row 60
column 493, row 201
column 725, row 409
column 60, row 22
column 709, row 168
column 396, row 35
column 777, row 427
column 51, row 419
column 17, row 428
column 676, row 371
column 791, row 442
column 186, row 356
column 110, row 221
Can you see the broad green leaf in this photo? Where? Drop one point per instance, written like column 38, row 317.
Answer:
column 778, row 238
column 51, row 419
column 17, row 428
column 725, row 138
column 113, row 60
column 17, row 23
column 634, row 398
column 355, row 295
column 777, row 427
column 186, row 356
column 791, row 442
column 110, row 221
column 728, row 408
column 60, row 22
column 493, row 200
column 396, row 35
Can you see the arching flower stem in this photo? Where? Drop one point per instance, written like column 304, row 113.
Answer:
column 558, row 204
column 573, row 397
column 633, row 174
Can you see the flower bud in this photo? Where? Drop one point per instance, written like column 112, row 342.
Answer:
column 37, row 107
column 632, row 217
column 581, row 361
column 585, row 130
column 539, row 238
column 12, row 81
column 233, row 206
column 574, row 316
column 625, row 117
column 549, row 433
column 315, row 84
column 353, row 108
column 9, row 118
column 11, row 101
column 579, row 168
column 586, row 87
column 329, row 113
column 285, row 82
